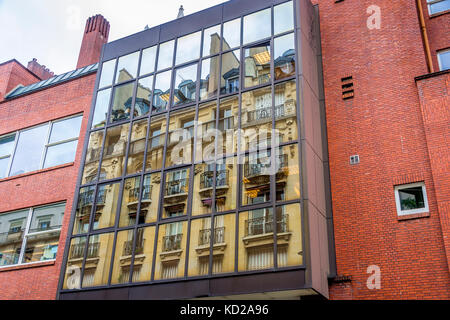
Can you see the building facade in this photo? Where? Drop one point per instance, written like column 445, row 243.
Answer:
column 43, row 119
column 264, row 149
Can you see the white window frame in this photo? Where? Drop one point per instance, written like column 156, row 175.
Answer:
column 439, row 58
column 430, row 2
column 27, row 233
column 46, row 145
column 401, row 212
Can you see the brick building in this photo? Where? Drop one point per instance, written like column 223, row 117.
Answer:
column 43, row 119
column 356, row 95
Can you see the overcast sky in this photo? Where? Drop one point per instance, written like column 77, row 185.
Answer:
column 51, row 30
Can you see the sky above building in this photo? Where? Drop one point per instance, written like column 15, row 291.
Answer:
column 51, row 30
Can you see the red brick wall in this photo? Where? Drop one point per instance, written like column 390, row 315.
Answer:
column 11, row 75
column 438, row 26
column 95, row 36
column 45, row 186
column 384, row 126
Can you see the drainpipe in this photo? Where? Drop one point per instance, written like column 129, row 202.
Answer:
column 425, row 37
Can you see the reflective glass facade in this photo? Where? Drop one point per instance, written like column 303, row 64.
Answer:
column 192, row 168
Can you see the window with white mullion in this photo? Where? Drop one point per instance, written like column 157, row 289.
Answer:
column 7, row 147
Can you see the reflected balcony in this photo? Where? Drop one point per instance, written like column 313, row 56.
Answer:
column 262, row 115
column 133, row 198
column 176, row 192
column 77, row 251
column 259, row 231
column 11, row 237
column 204, row 242
column 259, row 173
column 207, row 184
column 171, row 249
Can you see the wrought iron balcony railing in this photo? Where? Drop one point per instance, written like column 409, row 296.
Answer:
column 86, row 198
column 176, row 187
column 128, row 247
column 133, row 194
column 254, row 169
column 172, row 243
column 77, row 250
column 265, row 113
column 205, row 236
column 206, row 179
column 263, row 225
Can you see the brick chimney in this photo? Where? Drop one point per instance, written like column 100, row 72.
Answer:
column 95, row 36
column 41, row 71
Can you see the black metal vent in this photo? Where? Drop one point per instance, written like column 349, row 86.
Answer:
column 347, row 88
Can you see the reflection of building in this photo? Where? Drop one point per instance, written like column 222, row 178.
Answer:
column 189, row 205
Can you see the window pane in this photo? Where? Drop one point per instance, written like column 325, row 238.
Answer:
column 96, row 271
column 107, row 75
column 83, row 211
column 256, row 242
column 7, row 145
column 127, row 67
column 123, row 256
column 156, row 142
column 209, row 78
column 106, row 206
column 286, row 112
column 123, row 97
column 181, row 137
column 256, row 119
column 284, row 51
column 165, row 57
column 150, row 198
column 101, row 108
column 4, row 163
column 93, row 157
column 224, row 244
column 176, row 193
column 287, row 173
column 444, row 59
column 200, row 244
column 12, row 228
column 229, row 81
column 188, row 48
column 47, row 218
column 283, row 17
column 137, row 147
column 206, row 133
column 161, row 95
column 171, row 254
column 257, row 65
column 203, row 182
column 41, row 247
column 148, row 60
column 257, row 26
column 231, row 34
column 114, row 152
column 72, row 278
column 211, row 41
column 130, row 202
column 143, row 255
column 29, row 150
column 66, row 129
column 256, row 178
column 289, row 236
column 60, row 154
column 185, row 85
column 143, row 96
column 228, row 125
column 411, row 198
column 226, row 181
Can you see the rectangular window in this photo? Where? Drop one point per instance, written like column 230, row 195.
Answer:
column 411, row 199
column 47, row 145
column 6, row 150
column 444, row 59
column 30, row 235
column 436, row 6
